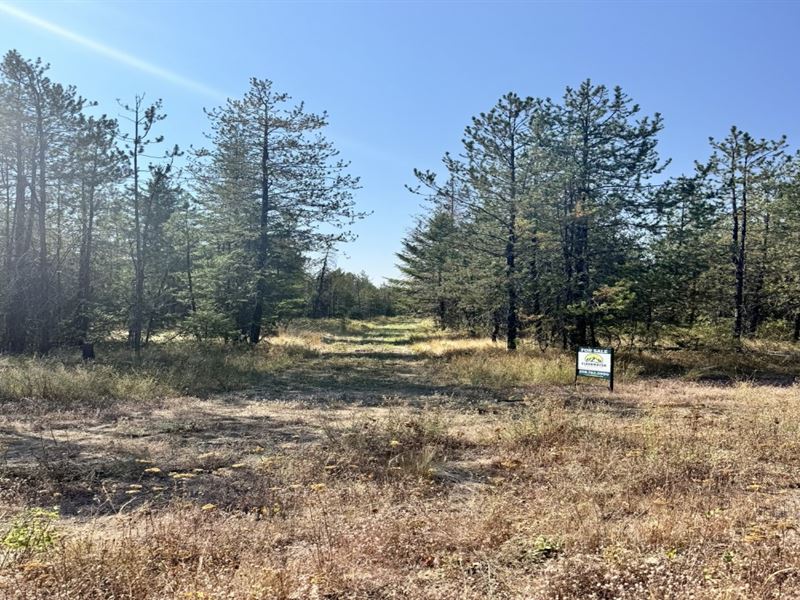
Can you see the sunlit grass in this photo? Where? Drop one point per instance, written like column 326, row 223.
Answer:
column 385, row 467
column 540, row 500
column 497, row 368
column 446, row 347
column 181, row 366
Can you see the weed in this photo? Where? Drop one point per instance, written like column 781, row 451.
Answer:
column 33, row 530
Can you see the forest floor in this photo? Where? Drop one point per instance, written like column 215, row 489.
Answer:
column 387, row 460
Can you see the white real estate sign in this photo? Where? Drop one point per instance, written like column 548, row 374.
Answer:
column 595, row 362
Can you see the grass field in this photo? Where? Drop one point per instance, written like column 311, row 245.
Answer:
column 387, row 460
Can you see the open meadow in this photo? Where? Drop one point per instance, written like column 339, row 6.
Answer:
column 384, row 459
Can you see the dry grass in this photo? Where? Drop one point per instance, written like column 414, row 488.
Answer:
column 177, row 367
column 496, row 368
column 371, row 463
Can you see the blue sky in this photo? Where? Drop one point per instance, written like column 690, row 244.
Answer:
column 402, row 79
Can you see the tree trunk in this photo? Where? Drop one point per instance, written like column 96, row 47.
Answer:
column 441, row 305
column 511, row 288
column 536, row 296
column 138, row 284
column 739, row 231
column 45, row 323
column 316, row 309
column 192, row 301
column 582, row 271
column 582, row 239
column 512, row 323
column 82, row 318
column 757, row 309
column 16, row 314
column 155, row 305
column 568, row 251
column 740, row 275
column 263, row 240
column 58, row 301
column 9, row 232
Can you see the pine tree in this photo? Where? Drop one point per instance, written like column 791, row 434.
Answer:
column 100, row 167
column 426, row 261
column 275, row 189
column 608, row 154
column 142, row 119
column 743, row 168
column 40, row 121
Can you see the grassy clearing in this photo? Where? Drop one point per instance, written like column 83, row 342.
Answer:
column 372, row 461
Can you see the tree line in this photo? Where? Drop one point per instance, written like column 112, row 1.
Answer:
column 106, row 227
column 555, row 222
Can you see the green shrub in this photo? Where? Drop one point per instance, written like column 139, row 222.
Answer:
column 33, row 530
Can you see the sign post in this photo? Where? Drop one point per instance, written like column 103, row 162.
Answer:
column 595, row 362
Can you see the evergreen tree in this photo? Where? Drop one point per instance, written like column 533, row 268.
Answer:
column 100, row 166
column 608, row 154
column 426, row 261
column 744, row 171
column 556, row 208
column 274, row 188
column 142, row 119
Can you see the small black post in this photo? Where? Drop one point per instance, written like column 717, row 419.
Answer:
column 577, row 353
column 611, row 377
column 87, row 350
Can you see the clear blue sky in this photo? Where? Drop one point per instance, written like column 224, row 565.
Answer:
column 402, row 79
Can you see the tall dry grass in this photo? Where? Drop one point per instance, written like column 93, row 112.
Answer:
column 178, row 367
column 667, row 488
column 690, row 493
